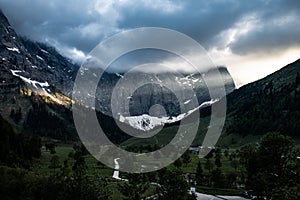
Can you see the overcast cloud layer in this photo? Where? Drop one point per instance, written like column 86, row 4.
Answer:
column 229, row 28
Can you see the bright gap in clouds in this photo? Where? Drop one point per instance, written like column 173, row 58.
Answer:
column 246, row 69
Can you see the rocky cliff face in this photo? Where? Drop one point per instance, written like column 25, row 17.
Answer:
column 156, row 92
column 30, row 71
column 27, row 60
column 28, row 67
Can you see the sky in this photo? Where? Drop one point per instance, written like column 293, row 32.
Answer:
column 251, row 38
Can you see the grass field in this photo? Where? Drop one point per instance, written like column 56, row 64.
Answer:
column 96, row 172
column 167, row 134
column 62, row 151
column 93, row 170
column 192, row 166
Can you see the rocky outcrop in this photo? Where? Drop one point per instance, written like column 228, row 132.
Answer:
column 27, row 66
column 32, row 60
column 162, row 89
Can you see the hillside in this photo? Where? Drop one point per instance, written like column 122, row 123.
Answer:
column 271, row 104
column 36, row 82
column 33, row 85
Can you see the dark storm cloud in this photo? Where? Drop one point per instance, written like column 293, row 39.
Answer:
column 47, row 20
column 271, row 37
column 202, row 20
column 277, row 29
column 82, row 24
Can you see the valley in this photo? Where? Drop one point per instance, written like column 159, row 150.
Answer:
column 42, row 156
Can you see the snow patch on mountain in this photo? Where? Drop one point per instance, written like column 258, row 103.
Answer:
column 186, row 102
column 13, row 49
column 42, row 50
column 39, row 57
column 43, row 89
column 146, row 122
column 119, row 75
column 28, row 80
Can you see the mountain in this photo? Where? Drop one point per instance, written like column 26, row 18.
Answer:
column 35, row 83
column 146, row 100
column 32, row 60
column 271, row 104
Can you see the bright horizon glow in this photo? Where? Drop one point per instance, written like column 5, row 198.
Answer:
column 247, row 69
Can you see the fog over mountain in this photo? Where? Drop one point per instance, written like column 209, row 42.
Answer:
column 260, row 35
column 31, row 68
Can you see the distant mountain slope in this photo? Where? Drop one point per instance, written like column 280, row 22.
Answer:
column 35, row 81
column 55, row 68
column 33, row 60
column 156, row 92
column 269, row 104
column 30, row 67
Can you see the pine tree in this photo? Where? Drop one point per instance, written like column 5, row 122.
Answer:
column 12, row 113
column 199, row 172
column 186, row 158
column 178, row 163
column 218, row 162
column 298, row 79
column 54, row 163
column 208, row 165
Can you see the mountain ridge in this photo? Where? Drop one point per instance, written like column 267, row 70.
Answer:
column 271, row 104
column 30, row 67
column 29, row 88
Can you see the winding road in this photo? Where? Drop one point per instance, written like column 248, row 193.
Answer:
column 116, row 174
column 200, row 196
